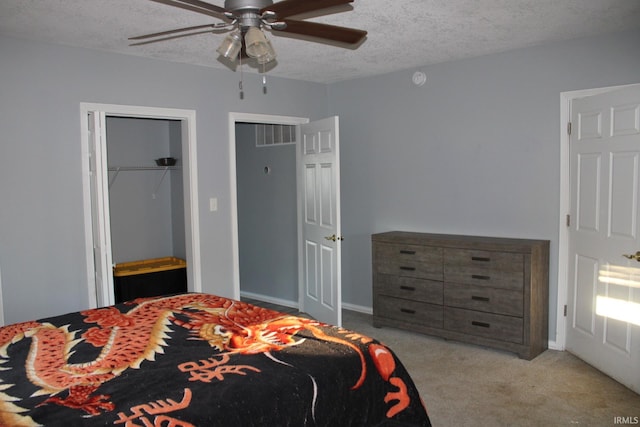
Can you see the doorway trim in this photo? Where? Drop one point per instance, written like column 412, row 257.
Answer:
column 565, row 206
column 233, row 191
column 1, row 302
column 190, row 182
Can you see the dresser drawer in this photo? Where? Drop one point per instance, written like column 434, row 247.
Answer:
column 408, row 311
column 494, row 326
column 483, row 268
column 409, row 288
column 491, row 300
column 424, row 262
column 484, row 260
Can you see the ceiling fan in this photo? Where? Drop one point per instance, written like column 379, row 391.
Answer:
column 246, row 19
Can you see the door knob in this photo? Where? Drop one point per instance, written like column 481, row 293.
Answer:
column 635, row 256
column 333, row 238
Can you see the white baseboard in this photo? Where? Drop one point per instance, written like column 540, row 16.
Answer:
column 358, row 308
column 294, row 304
column 271, row 300
column 553, row 345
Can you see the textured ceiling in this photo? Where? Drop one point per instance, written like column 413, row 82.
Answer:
column 403, row 34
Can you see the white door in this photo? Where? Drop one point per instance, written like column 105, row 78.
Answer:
column 319, row 186
column 99, row 207
column 605, row 224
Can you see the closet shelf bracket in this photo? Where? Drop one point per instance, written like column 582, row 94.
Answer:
column 153, row 196
column 115, row 175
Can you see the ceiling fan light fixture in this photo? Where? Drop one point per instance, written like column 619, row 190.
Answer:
column 247, row 19
column 269, row 56
column 231, row 46
column 257, row 46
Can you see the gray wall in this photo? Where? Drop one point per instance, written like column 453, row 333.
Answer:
column 474, row 151
column 143, row 202
column 267, row 217
column 42, row 234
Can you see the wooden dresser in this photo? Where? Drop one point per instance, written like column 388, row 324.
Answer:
column 481, row 290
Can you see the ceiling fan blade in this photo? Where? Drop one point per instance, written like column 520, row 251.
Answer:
column 286, row 8
column 161, row 39
column 166, row 33
column 324, row 31
column 204, row 5
column 210, row 9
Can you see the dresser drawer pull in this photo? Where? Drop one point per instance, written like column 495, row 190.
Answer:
column 407, row 288
column 480, row 258
column 480, row 277
column 408, row 268
column 481, row 324
column 408, row 311
column 406, row 252
column 477, row 298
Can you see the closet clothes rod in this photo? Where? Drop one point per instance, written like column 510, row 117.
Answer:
column 140, row 168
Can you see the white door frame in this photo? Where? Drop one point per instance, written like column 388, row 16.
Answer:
column 248, row 118
column 190, row 174
column 565, row 206
column 1, row 303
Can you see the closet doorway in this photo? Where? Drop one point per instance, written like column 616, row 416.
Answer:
column 135, row 209
column 146, row 206
column 267, row 205
column 317, row 212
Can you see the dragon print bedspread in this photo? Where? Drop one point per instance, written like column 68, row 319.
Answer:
column 198, row 360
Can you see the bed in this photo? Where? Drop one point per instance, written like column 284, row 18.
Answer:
column 199, row 360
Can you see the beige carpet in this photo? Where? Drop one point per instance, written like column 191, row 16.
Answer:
column 465, row 385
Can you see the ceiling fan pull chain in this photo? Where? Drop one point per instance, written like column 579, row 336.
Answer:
column 264, row 80
column 240, row 82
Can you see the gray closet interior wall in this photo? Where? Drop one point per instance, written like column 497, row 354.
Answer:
column 146, row 208
column 267, row 216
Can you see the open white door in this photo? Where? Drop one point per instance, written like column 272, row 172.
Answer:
column 320, row 233
column 99, row 206
column 603, row 325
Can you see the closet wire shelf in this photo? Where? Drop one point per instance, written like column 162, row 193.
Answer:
column 118, row 169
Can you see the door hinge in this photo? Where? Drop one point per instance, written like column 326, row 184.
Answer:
column 568, row 128
column 565, row 310
column 568, row 220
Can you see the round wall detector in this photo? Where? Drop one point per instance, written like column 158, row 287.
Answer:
column 419, row 78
